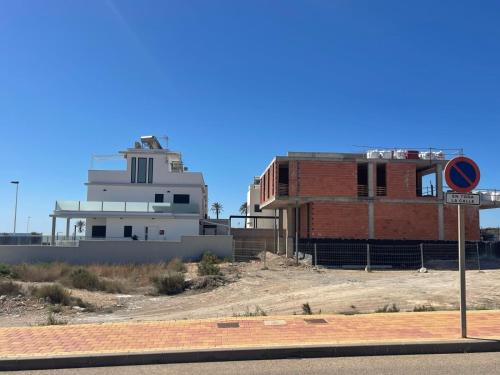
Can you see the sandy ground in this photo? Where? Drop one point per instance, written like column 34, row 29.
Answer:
column 282, row 289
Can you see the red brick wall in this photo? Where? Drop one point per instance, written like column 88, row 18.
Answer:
column 401, row 180
column 336, row 220
column 451, row 223
column 268, row 183
column 326, row 178
column 406, row 221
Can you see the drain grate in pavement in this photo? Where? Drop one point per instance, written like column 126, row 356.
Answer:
column 315, row 321
column 228, row 325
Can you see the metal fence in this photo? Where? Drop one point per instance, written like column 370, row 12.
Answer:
column 248, row 250
column 369, row 256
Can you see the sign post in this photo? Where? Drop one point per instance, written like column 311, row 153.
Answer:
column 462, row 175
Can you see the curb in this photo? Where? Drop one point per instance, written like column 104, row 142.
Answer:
column 246, row 354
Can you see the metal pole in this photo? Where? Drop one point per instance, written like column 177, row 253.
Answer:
column 368, row 267
column 15, row 207
column 315, row 255
column 461, row 267
column 422, row 255
column 297, row 235
column 28, row 224
column 478, row 262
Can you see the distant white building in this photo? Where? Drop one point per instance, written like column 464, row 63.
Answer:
column 253, row 208
column 155, row 198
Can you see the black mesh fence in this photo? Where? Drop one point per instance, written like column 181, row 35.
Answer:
column 412, row 255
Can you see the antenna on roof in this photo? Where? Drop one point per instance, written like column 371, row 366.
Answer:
column 165, row 138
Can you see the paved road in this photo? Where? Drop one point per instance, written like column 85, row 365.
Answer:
column 479, row 363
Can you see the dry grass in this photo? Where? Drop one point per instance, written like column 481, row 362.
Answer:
column 41, row 272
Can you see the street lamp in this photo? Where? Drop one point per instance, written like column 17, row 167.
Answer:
column 15, row 209
column 28, row 224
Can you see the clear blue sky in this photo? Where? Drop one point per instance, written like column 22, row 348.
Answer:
column 234, row 83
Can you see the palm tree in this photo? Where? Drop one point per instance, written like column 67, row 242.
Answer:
column 80, row 225
column 217, row 208
column 243, row 211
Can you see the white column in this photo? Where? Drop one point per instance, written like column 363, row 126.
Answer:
column 439, row 181
column 290, row 230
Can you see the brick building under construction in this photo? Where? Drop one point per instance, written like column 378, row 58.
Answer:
column 369, row 196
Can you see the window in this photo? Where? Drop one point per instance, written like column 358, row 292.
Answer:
column 132, row 170
column 150, row 171
column 181, row 198
column 158, row 198
column 142, row 170
column 98, row 231
column 362, row 180
column 127, row 231
column 381, row 180
column 256, row 208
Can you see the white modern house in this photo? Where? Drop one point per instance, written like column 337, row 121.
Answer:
column 253, row 208
column 154, row 198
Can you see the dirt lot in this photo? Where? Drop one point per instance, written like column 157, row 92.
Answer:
column 280, row 289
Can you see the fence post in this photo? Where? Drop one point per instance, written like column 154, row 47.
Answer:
column 422, row 268
column 368, row 267
column 315, row 255
column 478, row 262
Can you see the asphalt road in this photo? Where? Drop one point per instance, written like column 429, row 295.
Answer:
column 442, row 364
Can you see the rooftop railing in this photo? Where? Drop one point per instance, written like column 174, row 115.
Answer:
column 149, row 207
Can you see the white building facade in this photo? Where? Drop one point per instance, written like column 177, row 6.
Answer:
column 253, row 208
column 154, row 198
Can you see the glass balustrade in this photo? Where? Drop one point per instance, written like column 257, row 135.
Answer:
column 152, row 207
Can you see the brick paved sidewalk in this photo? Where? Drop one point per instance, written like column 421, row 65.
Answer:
column 137, row 337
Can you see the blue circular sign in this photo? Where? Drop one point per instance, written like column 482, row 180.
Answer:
column 462, row 174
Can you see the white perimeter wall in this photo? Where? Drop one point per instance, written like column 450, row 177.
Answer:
column 92, row 252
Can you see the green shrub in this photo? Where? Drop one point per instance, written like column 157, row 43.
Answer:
column 306, row 309
column 9, row 288
column 176, row 265
column 54, row 294
column 83, row 279
column 388, row 309
column 5, row 270
column 208, row 265
column 423, row 308
column 171, row 283
column 248, row 313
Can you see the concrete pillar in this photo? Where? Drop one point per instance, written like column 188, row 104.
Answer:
column 439, row 181
column 53, row 233
column 371, row 179
column 290, row 231
column 441, row 221
column 67, row 227
column 371, row 220
column 281, row 243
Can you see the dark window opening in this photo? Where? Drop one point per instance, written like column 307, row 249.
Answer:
column 142, row 170
column 381, row 179
column 256, row 208
column 98, row 231
column 362, row 180
column 181, row 198
column 127, row 231
column 150, row 171
column 158, row 198
column 283, row 179
column 132, row 170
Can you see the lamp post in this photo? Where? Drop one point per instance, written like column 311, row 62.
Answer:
column 28, row 224
column 15, row 209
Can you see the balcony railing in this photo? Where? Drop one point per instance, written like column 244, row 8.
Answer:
column 362, row 190
column 283, row 190
column 149, row 207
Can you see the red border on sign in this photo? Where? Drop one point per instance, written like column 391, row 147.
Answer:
column 451, row 164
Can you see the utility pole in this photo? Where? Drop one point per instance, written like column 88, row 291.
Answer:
column 15, row 208
column 28, row 224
